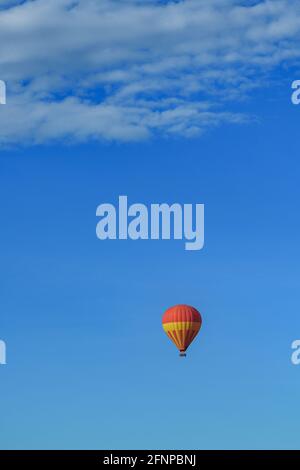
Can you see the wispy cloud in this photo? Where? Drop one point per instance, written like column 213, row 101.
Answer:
column 128, row 69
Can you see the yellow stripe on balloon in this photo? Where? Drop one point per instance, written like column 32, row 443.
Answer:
column 181, row 326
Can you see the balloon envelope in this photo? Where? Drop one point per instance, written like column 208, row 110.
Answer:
column 182, row 324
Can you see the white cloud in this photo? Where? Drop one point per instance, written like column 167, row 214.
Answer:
column 128, row 69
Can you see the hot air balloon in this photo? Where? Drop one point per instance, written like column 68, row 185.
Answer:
column 182, row 324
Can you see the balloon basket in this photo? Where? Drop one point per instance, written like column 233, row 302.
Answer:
column 182, row 354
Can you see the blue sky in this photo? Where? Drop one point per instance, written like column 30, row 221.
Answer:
column 89, row 365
